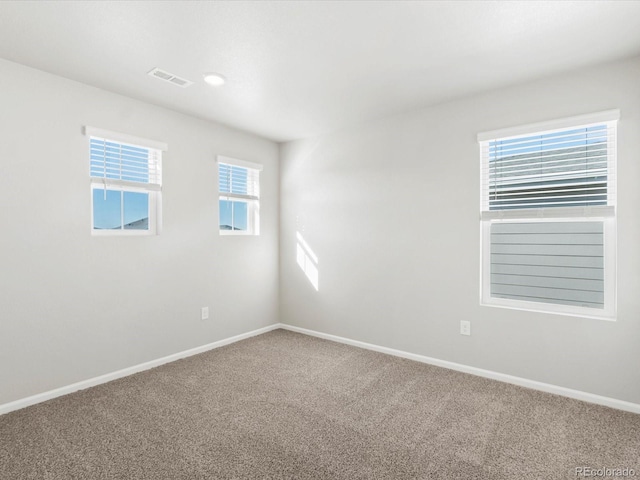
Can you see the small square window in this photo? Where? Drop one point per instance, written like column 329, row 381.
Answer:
column 126, row 179
column 239, row 197
column 120, row 210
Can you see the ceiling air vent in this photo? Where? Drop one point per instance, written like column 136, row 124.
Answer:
column 170, row 77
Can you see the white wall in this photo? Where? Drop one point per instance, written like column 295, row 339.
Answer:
column 391, row 209
column 73, row 306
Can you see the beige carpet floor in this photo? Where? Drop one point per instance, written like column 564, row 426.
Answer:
column 285, row 405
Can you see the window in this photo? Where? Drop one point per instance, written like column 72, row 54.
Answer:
column 548, row 218
column 239, row 204
column 126, row 179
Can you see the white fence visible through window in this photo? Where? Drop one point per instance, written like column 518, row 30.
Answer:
column 548, row 199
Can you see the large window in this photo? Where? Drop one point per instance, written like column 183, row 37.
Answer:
column 548, row 199
column 126, row 179
column 239, row 202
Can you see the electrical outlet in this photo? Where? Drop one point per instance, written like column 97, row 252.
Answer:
column 465, row 327
column 205, row 313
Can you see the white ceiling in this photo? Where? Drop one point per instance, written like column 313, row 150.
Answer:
column 297, row 69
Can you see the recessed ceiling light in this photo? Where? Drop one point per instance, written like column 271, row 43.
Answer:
column 214, row 79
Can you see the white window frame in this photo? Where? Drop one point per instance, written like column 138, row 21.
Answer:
column 253, row 202
column 605, row 214
column 154, row 205
column 153, row 189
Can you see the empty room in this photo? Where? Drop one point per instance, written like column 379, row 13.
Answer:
column 319, row 240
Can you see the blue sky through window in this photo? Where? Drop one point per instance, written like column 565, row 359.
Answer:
column 107, row 207
column 114, row 208
column 136, row 210
column 233, row 215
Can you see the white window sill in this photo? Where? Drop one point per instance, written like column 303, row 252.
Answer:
column 548, row 308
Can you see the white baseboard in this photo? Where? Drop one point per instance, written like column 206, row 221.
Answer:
column 523, row 382
column 502, row 377
column 58, row 392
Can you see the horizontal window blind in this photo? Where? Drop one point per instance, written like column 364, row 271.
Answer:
column 548, row 210
column 238, row 182
column 549, row 262
column 572, row 167
column 116, row 163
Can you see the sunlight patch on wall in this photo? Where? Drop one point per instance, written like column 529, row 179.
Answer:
column 307, row 260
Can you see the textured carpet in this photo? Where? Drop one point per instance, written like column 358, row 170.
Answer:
column 285, row 405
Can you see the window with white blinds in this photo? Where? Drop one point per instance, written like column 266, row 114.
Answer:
column 239, row 192
column 116, row 163
column 126, row 180
column 239, row 182
column 548, row 196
